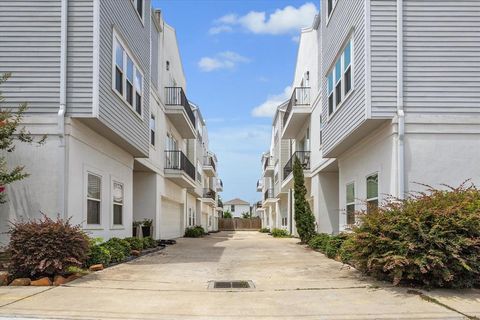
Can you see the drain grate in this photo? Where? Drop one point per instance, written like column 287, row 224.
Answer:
column 238, row 284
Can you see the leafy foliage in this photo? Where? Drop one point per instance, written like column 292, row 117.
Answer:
column 319, row 242
column 46, row 247
column 227, row 215
column 280, row 233
column 98, row 254
column 9, row 134
column 430, row 238
column 334, row 243
column 265, row 230
column 247, row 215
column 119, row 249
column 135, row 243
column 149, row 242
column 304, row 219
column 194, row 232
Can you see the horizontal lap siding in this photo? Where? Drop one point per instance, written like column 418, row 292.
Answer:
column 383, row 37
column 347, row 16
column 80, row 58
column 113, row 111
column 441, row 56
column 155, row 57
column 30, row 50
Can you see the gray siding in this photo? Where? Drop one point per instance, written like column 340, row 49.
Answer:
column 30, row 50
column 113, row 111
column 80, row 58
column 348, row 17
column 441, row 56
column 383, row 40
column 155, row 57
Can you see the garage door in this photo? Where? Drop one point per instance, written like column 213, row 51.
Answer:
column 172, row 225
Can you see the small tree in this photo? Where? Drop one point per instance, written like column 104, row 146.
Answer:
column 304, row 219
column 9, row 132
column 247, row 215
column 227, row 214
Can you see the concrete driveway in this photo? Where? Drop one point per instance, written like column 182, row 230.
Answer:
column 291, row 282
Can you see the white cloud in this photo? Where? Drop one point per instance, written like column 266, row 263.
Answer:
column 268, row 108
column 282, row 21
column 222, row 60
column 220, row 29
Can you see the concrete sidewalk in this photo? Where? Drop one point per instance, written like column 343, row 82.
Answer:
column 290, row 280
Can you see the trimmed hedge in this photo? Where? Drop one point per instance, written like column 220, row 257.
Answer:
column 149, row 242
column 431, row 239
column 280, row 233
column 135, row 243
column 264, row 230
column 194, row 232
column 119, row 249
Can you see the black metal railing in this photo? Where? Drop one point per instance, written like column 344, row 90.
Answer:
column 220, row 182
column 175, row 96
column 303, row 157
column 219, row 203
column 268, row 194
column 209, row 193
column 259, row 184
column 208, row 161
column 300, row 97
column 259, row 204
column 177, row 160
column 266, row 163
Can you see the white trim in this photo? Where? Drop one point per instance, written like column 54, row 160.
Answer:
column 329, row 16
column 400, row 109
column 140, row 16
column 96, row 60
column 89, row 171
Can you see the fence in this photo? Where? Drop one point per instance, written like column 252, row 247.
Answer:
column 227, row 224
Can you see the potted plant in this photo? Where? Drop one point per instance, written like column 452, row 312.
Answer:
column 136, row 225
column 147, row 227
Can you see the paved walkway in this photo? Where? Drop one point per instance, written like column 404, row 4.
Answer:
column 291, row 282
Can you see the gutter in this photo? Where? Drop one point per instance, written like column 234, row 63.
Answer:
column 62, row 110
column 400, row 108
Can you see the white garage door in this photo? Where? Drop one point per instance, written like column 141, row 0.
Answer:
column 172, row 225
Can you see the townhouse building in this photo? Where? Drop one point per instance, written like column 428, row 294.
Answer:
column 104, row 81
column 396, row 105
column 237, row 207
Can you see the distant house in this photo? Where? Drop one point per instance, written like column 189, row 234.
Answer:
column 237, row 207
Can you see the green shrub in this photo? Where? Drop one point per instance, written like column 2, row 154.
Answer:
column 264, row 230
column 319, row 242
column 135, row 243
column 280, row 233
column 430, row 239
column 98, row 254
column 149, row 242
column 46, row 247
column 345, row 253
column 194, row 232
column 119, row 249
column 334, row 244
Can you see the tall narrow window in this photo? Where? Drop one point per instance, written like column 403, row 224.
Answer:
column 117, row 203
column 372, row 192
column 321, row 131
column 350, row 203
column 129, row 82
column 94, row 186
column 330, row 92
column 347, row 74
column 138, row 92
column 338, row 82
column 329, row 7
column 232, row 208
column 138, row 4
column 119, row 68
column 152, row 129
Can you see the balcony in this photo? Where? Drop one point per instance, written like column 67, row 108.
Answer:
column 259, row 186
column 268, row 167
column 297, row 112
column 268, row 195
column 179, row 169
column 219, row 185
column 303, row 157
column 209, row 166
column 209, row 196
column 179, row 112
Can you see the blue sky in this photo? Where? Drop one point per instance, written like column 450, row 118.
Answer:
column 239, row 59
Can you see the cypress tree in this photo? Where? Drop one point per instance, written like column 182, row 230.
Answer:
column 304, row 219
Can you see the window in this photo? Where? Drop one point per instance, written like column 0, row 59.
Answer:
column 94, row 186
column 138, row 4
column 284, row 221
column 190, row 217
column 350, row 203
column 117, row 203
column 330, row 6
column 338, row 88
column 128, row 79
column 152, row 129
column 321, row 131
column 232, row 208
column 372, row 192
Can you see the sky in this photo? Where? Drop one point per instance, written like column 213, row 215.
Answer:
column 239, row 58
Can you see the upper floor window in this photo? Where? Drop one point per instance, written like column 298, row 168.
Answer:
column 138, row 4
column 350, row 203
column 152, row 129
column 321, row 131
column 339, row 79
column 232, row 208
column 372, row 191
column 330, row 6
column 128, row 79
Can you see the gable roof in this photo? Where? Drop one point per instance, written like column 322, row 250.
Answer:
column 237, row 201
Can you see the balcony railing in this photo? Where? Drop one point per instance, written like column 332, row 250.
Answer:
column 268, row 194
column 208, row 161
column 300, row 97
column 259, row 184
column 220, row 182
column 175, row 96
column 177, row 160
column 209, row 193
column 259, row 204
column 266, row 163
column 303, row 157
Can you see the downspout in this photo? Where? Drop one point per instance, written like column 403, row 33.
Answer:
column 62, row 199
column 400, row 109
